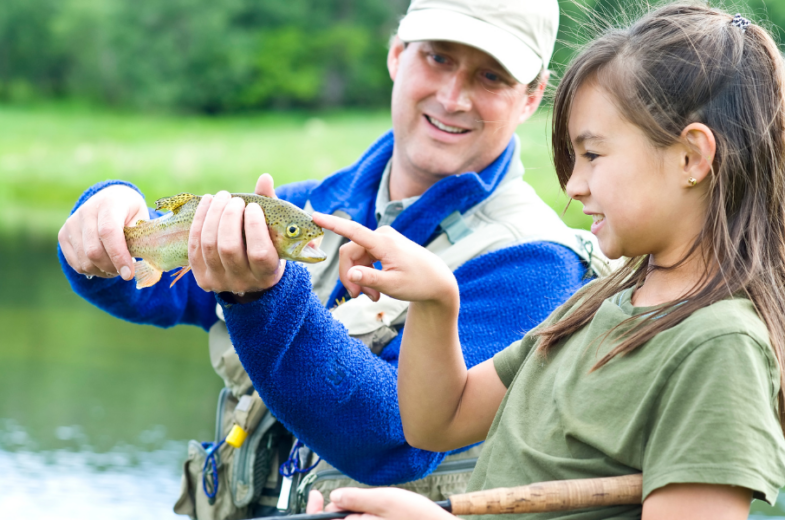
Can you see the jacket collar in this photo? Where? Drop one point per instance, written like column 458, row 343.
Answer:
column 353, row 190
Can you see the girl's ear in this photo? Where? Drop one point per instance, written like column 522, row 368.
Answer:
column 700, row 147
column 394, row 56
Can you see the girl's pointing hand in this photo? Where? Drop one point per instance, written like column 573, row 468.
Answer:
column 409, row 272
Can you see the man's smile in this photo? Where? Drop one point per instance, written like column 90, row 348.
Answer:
column 445, row 127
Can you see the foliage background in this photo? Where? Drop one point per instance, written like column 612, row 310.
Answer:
column 213, row 56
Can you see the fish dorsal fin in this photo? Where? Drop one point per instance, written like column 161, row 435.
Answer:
column 173, row 204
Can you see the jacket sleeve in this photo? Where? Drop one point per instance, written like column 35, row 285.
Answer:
column 184, row 303
column 340, row 399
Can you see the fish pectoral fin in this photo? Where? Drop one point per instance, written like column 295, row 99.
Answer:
column 173, row 204
column 145, row 274
column 179, row 274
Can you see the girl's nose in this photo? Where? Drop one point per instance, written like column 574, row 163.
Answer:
column 577, row 186
column 454, row 94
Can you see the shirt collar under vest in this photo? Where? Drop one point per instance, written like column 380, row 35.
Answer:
column 388, row 210
column 354, row 190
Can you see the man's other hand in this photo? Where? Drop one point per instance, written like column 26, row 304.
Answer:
column 92, row 239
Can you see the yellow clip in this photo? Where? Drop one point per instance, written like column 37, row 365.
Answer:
column 236, row 437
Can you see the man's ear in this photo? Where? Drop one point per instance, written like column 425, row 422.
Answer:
column 394, row 56
column 700, row 148
column 534, row 99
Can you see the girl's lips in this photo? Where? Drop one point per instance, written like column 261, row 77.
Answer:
column 599, row 221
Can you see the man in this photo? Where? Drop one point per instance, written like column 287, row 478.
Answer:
column 448, row 176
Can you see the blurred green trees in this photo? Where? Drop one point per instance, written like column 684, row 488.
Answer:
column 198, row 55
column 215, row 56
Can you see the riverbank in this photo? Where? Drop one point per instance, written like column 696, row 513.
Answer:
column 50, row 153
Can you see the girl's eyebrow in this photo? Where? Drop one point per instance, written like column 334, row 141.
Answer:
column 588, row 136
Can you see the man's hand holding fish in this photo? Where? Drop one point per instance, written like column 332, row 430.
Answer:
column 221, row 259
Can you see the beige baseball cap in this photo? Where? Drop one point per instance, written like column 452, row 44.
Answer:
column 519, row 34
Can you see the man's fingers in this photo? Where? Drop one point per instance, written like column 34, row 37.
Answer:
column 209, row 235
column 355, row 232
column 262, row 257
column 231, row 247
column 195, row 258
column 79, row 262
column 111, row 235
column 67, row 249
column 97, row 260
column 265, row 186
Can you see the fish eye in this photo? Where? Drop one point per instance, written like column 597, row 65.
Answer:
column 292, row 230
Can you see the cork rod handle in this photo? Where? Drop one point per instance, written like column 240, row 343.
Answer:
column 557, row 495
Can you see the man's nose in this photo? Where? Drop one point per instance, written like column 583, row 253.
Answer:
column 454, row 94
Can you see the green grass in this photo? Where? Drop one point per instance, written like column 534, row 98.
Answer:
column 50, row 154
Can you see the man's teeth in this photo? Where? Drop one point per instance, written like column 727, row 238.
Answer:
column 598, row 218
column 446, row 128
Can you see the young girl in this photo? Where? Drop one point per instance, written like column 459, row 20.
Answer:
column 670, row 134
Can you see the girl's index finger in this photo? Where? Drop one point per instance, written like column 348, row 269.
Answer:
column 355, row 232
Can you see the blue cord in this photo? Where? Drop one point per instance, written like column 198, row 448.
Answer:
column 211, row 487
column 293, row 463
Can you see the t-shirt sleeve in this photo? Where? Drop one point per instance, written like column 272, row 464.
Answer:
column 509, row 361
column 716, row 421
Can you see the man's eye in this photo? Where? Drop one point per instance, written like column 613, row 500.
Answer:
column 492, row 76
column 438, row 58
column 590, row 156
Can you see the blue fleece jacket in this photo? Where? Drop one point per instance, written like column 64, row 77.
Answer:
column 324, row 386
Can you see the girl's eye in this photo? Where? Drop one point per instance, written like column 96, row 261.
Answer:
column 590, row 156
column 293, row 230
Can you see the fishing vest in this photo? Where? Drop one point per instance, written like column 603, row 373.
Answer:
column 512, row 215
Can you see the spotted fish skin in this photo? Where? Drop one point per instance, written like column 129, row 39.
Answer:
column 162, row 243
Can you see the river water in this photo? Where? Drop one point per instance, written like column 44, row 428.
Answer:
column 95, row 413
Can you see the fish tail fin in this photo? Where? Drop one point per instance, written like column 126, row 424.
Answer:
column 145, row 274
column 179, row 274
column 173, row 204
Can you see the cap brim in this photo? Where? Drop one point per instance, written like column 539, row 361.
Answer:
column 443, row 25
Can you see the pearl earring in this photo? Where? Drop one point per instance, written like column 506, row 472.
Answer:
column 692, row 181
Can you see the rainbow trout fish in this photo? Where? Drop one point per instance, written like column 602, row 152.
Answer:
column 161, row 244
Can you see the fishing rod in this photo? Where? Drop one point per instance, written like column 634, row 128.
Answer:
column 542, row 497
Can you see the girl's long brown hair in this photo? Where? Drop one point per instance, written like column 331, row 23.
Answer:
column 677, row 65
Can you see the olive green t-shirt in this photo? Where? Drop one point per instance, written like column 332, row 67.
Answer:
column 697, row 403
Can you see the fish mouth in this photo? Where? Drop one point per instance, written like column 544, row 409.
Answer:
column 311, row 253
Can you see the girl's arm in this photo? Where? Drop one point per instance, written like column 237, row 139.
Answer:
column 443, row 406
column 698, row 502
